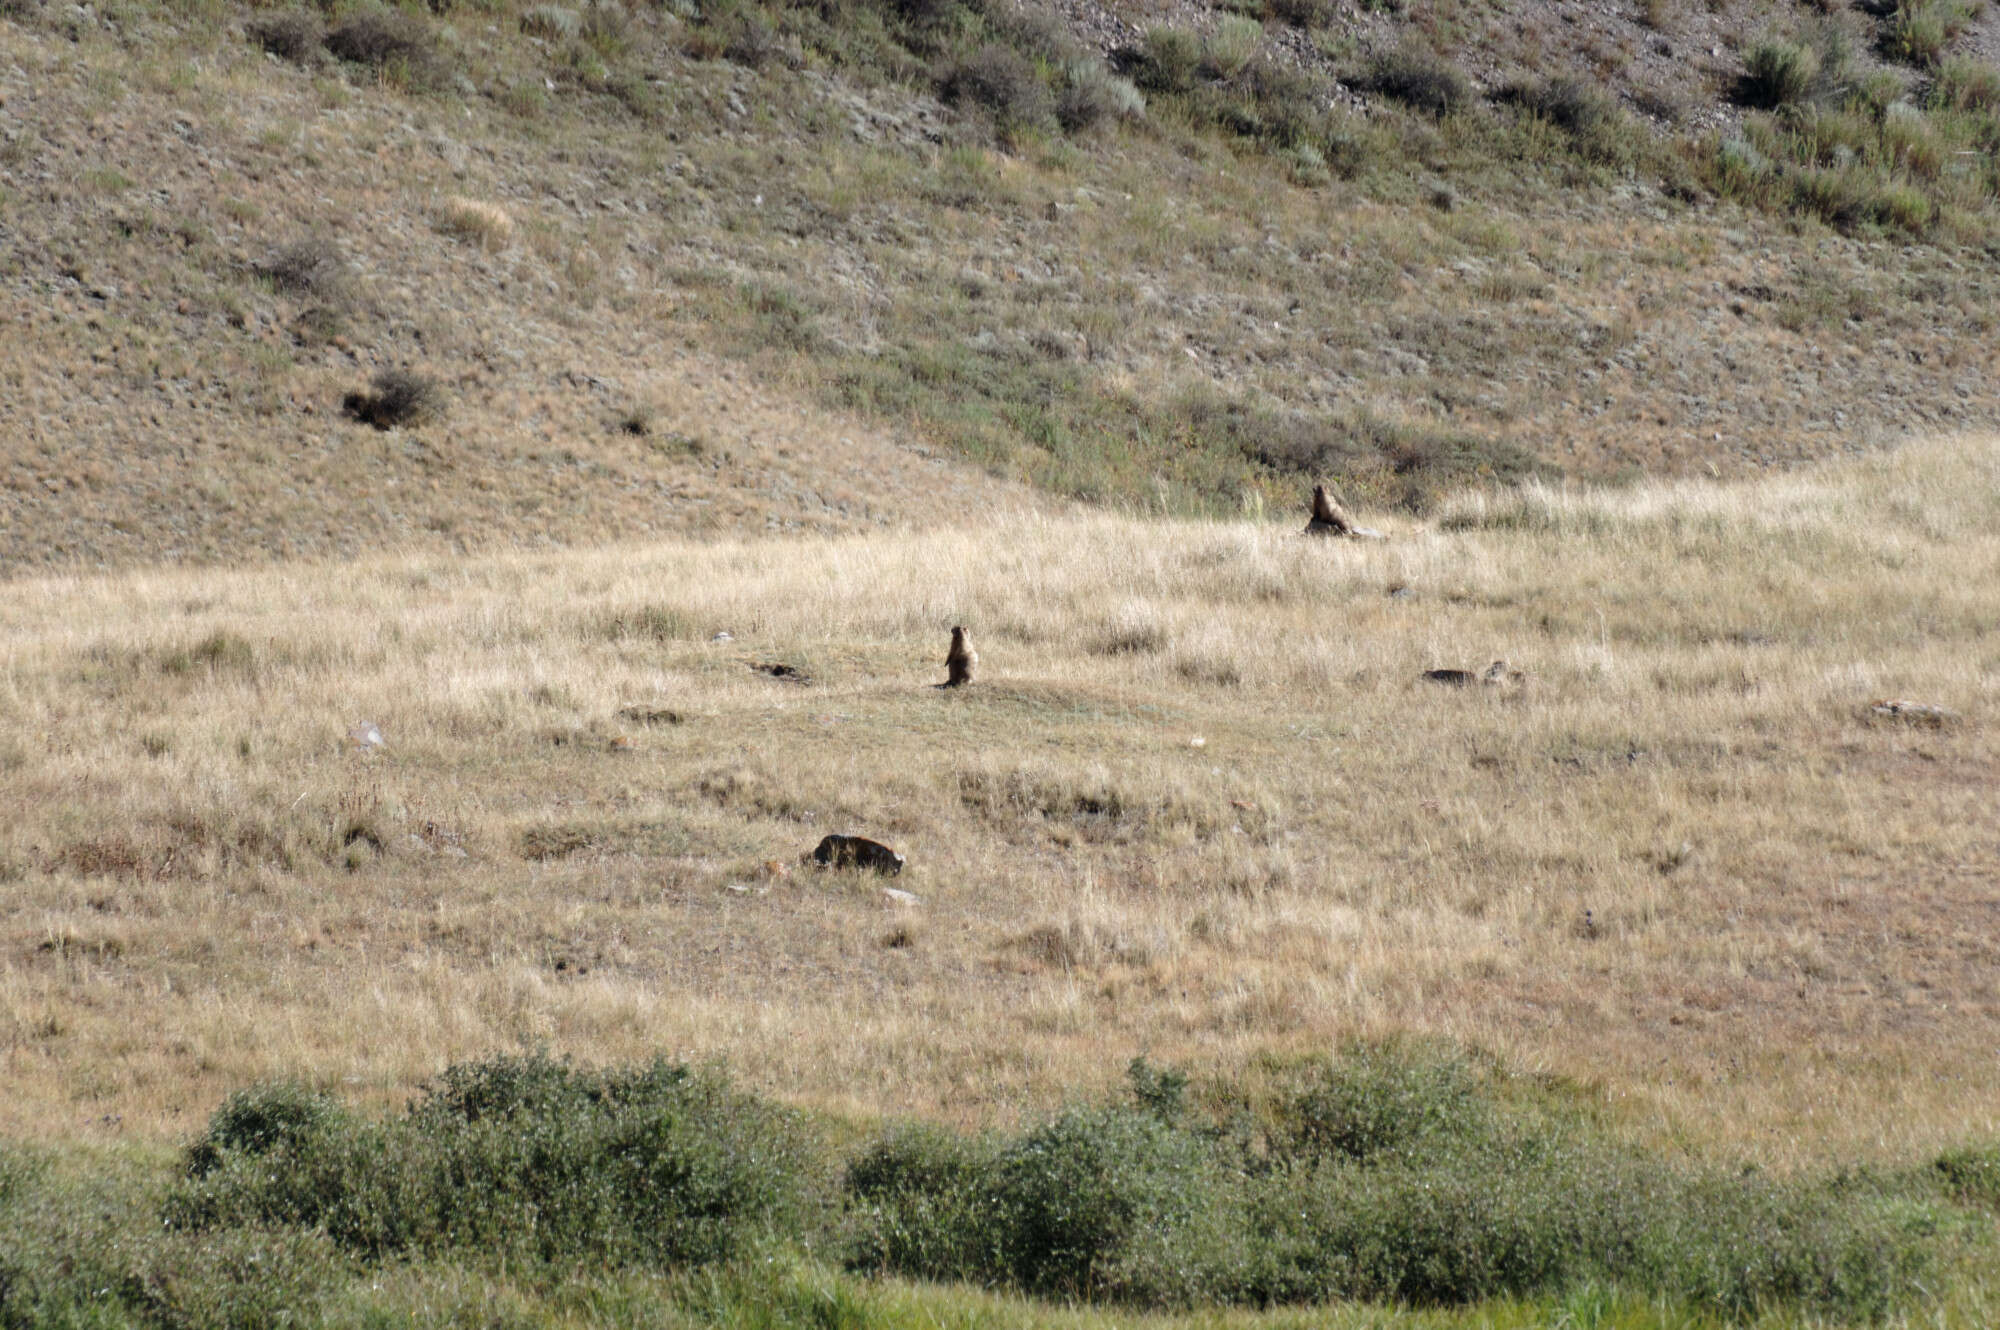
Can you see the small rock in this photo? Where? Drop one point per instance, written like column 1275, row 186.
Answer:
column 724, row 636
column 898, row 896
column 366, row 735
column 839, row 851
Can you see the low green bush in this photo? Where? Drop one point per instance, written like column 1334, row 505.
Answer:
column 1971, row 1174
column 1002, row 82
column 1378, row 1103
column 1407, row 1173
column 1964, row 84
column 1393, row 1173
column 1777, row 73
column 289, row 34
column 1419, row 80
column 659, row 1165
column 256, row 1121
column 1168, row 62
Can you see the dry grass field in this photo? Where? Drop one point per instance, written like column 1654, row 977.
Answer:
column 1198, row 804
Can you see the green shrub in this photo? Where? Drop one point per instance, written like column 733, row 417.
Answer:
column 1972, row 1174
column 1920, row 30
column 1379, row 1102
column 1307, row 14
column 926, row 1206
column 1398, row 1172
column 1092, row 95
column 1840, row 197
column 1002, row 82
column 1168, row 62
column 241, row 1279
column 289, row 34
column 1419, row 80
column 1910, row 142
column 1108, row 1202
column 1778, row 73
column 1231, row 46
column 1275, row 103
column 658, row 1165
column 1966, row 85
column 1571, row 104
column 1739, row 171
column 558, row 23
column 256, row 1121
column 1103, row 1202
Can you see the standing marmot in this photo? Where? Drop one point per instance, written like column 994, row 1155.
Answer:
column 1330, row 519
column 961, row 660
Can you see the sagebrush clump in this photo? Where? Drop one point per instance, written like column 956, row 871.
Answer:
column 398, row 397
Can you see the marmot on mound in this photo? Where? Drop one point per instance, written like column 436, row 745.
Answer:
column 1329, row 518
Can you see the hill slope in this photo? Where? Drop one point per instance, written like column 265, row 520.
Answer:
column 1200, row 804
column 746, row 269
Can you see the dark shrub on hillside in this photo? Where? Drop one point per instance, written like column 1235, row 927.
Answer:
column 261, row 1119
column 1092, row 95
column 1307, row 14
column 657, row 1165
column 399, row 397
column 290, row 34
column 1570, row 104
column 1269, row 102
column 1169, row 61
column 1777, row 73
column 309, row 267
column 1419, row 80
column 750, row 41
column 1002, row 82
column 388, row 39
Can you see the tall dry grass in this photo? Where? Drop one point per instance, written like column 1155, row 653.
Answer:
column 1199, row 805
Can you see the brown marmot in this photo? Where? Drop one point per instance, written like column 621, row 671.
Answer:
column 961, row 660
column 1329, row 518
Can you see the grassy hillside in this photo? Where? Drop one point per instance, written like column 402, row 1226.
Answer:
column 1711, row 905
column 1199, row 805
column 736, row 267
